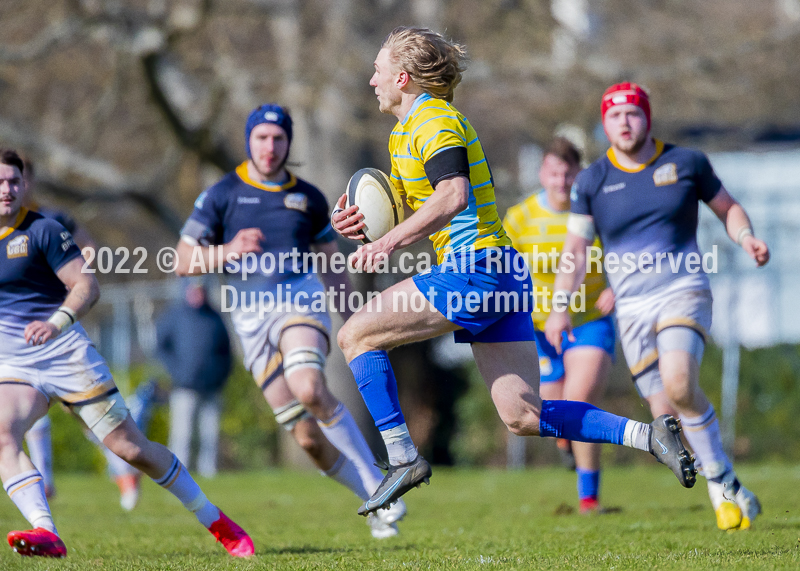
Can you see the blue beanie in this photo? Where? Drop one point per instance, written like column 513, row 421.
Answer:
column 268, row 113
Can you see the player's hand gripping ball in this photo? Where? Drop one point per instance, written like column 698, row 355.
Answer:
column 378, row 202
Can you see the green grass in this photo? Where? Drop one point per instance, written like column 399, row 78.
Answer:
column 467, row 519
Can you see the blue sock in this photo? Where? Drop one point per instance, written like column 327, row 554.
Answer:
column 378, row 387
column 588, row 483
column 580, row 421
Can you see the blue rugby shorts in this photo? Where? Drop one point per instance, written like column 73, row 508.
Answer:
column 487, row 292
column 598, row 333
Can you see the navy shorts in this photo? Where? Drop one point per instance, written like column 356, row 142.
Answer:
column 487, row 292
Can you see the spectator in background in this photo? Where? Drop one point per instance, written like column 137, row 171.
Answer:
column 194, row 347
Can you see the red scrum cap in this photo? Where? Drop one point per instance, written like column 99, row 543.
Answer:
column 626, row 93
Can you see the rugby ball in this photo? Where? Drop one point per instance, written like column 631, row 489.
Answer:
column 378, row 201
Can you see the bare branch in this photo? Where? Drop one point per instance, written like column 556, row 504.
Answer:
column 40, row 45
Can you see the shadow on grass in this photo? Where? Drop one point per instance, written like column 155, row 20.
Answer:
column 310, row 550
column 777, row 525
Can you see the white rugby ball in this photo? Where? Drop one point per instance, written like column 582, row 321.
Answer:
column 377, row 199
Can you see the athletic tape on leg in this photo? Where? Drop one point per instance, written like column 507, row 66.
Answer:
column 290, row 414
column 303, row 358
column 678, row 338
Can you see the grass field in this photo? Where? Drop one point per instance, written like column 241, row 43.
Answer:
column 466, row 519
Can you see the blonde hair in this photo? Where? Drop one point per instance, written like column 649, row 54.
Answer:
column 434, row 63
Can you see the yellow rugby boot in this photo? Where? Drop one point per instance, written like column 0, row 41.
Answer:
column 729, row 514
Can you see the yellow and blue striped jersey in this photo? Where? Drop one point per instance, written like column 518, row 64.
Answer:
column 431, row 126
column 538, row 233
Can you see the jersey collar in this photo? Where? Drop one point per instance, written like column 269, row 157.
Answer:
column 613, row 158
column 417, row 102
column 241, row 171
column 545, row 204
column 6, row 230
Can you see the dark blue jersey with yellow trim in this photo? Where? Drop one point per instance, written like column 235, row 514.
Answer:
column 651, row 212
column 32, row 250
column 292, row 216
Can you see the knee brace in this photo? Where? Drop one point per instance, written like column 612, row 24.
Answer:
column 303, row 358
column 290, row 414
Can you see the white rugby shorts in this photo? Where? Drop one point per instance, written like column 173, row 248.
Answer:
column 68, row 369
column 641, row 318
column 261, row 334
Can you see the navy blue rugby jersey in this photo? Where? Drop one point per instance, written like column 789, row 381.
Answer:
column 292, row 216
column 32, row 250
column 649, row 213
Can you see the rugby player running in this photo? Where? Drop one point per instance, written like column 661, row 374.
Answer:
column 642, row 200
column 438, row 164
column 46, row 356
column 264, row 212
column 537, row 228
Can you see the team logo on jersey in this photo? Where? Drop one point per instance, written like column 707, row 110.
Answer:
column 545, row 366
column 296, row 201
column 17, row 248
column 666, row 174
column 248, row 200
column 573, row 192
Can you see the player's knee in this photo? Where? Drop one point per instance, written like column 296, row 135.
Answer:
column 304, row 369
column 346, row 339
column 309, row 389
column 680, row 393
column 679, row 388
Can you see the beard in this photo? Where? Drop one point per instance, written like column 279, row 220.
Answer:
column 632, row 146
column 265, row 175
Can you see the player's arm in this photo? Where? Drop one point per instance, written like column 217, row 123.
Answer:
column 334, row 280
column 84, row 291
column 738, row 226
column 571, row 273
column 83, row 239
column 446, row 164
column 194, row 258
column 448, row 199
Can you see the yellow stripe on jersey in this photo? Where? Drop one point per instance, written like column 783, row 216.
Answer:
column 538, row 233
column 431, row 126
column 241, row 171
column 7, row 230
